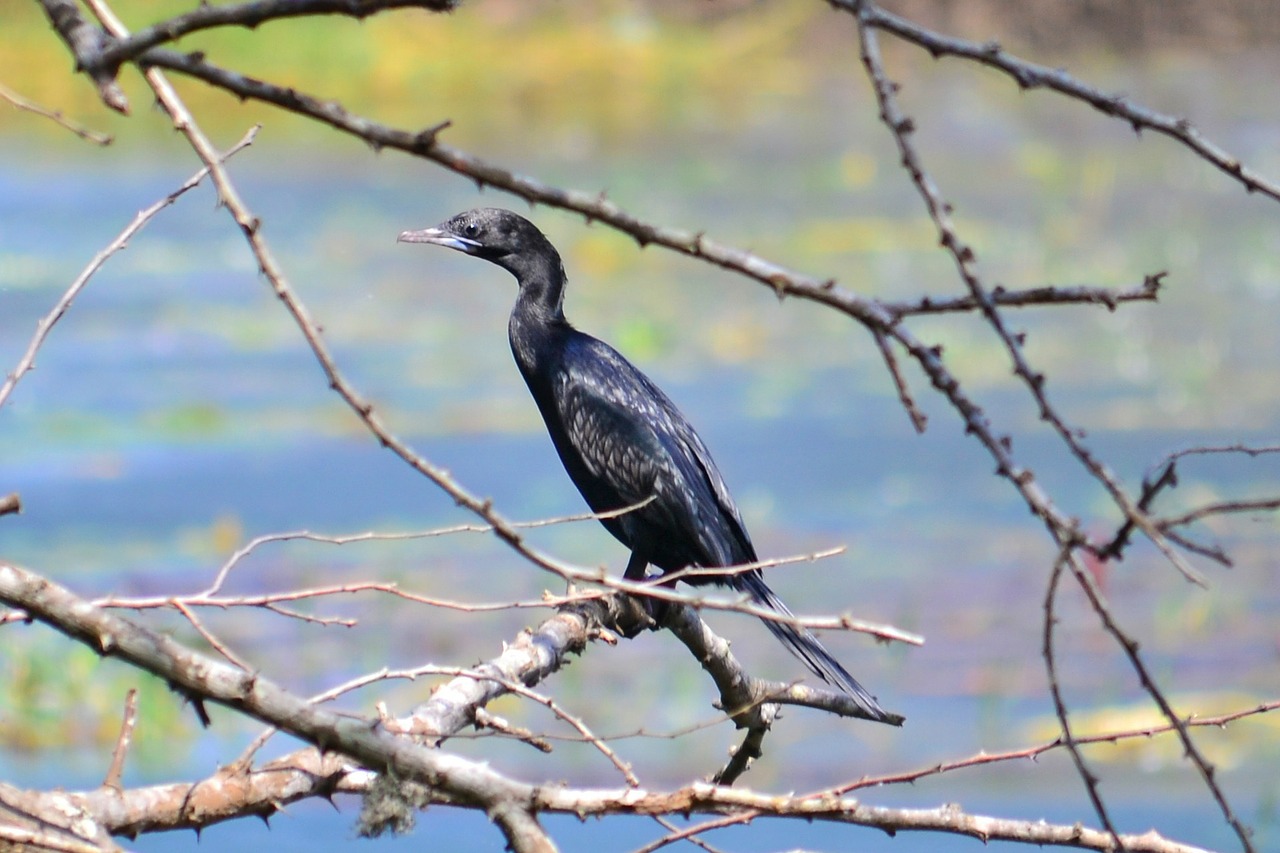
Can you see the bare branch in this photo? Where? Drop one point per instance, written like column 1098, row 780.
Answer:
column 706, row 798
column 46, row 324
column 752, row 746
column 691, row 833
column 489, row 720
column 32, row 839
column 901, row 127
column 1060, row 704
column 509, row 803
column 209, row 638
column 519, row 689
column 248, row 15
column 1148, row 291
column 1031, row 752
column 123, row 742
column 1207, row 771
column 1164, row 475
column 1219, row 508
column 79, row 130
column 1029, row 75
column 86, row 43
column 455, row 779
column 918, row 418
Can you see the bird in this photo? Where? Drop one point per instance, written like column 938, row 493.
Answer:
column 623, row 442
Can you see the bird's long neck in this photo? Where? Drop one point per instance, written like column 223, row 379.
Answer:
column 537, row 320
column 541, row 276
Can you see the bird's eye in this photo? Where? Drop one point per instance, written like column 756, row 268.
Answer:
column 471, row 229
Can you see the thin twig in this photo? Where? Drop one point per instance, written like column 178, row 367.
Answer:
column 249, row 15
column 578, row 724
column 1219, row 508
column 55, row 115
column 1208, row 772
column 1059, row 703
column 1148, row 291
column 918, row 418
column 209, row 637
column 1032, row 752
column 503, row 726
column 123, row 742
column 46, row 324
column 1029, row 75
column 690, row 833
column 901, row 127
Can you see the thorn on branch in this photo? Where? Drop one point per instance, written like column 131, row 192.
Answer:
column 202, row 713
column 426, row 138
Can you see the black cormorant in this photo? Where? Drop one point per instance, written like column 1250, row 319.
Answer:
column 621, row 440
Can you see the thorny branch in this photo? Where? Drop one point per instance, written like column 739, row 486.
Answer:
column 1059, row 701
column 1029, row 75
column 375, row 743
column 508, row 803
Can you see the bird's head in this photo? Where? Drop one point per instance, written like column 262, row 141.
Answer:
column 513, row 243
column 496, row 235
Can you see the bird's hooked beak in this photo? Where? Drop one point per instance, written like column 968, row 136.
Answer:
column 441, row 238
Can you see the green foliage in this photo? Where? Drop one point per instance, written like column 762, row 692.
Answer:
column 60, row 695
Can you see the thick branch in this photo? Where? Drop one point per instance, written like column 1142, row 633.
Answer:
column 250, row 15
column 237, row 790
column 196, row 675
column 86, row 43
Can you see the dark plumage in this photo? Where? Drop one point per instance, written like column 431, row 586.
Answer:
column 621, row 439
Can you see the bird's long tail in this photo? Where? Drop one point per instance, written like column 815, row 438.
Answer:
column 804, row 645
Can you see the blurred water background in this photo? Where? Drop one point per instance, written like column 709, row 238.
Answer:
column 176, row 411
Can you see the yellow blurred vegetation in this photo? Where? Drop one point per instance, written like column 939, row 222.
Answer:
column 57, row 698
column 1225, row 746
column 605, row 71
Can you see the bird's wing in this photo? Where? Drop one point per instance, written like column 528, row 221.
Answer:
column 699, row 453
column 633, row 439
